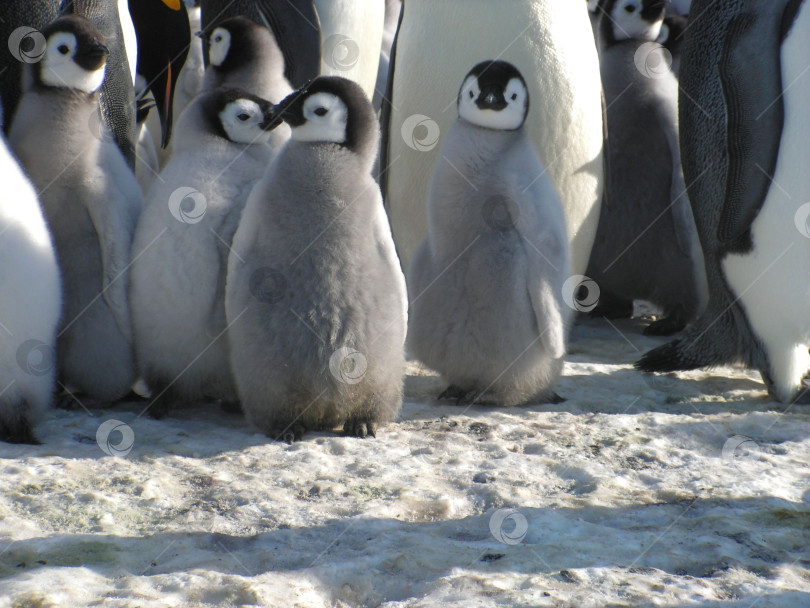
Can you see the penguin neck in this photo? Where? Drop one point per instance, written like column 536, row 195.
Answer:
column 480, row 146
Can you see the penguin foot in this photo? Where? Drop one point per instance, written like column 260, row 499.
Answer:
column 665, row 327
column 555, row 399
column 359, row 428
column 231, row 407
column 291, row 434
column 19, row 431
column 453, row 393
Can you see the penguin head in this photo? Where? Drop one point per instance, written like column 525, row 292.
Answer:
column 631, row 20
column 330, row 109
column 237, row 115
column 494, row 95
column 236, row 41
column 75, row 56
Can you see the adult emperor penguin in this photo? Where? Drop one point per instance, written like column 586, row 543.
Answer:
column 90, row 199
column 646, row 246
column 164, row 38
column 549, row 39
column 20, row 25
column 486, row 285
column 351, row 35
column 245, row 56
column 315, row 299
column 181, row 245
column 294, row 23
column 30, row 300
column 745, row 135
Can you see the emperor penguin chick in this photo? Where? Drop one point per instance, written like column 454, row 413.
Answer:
column 486, row 285
column 647, row 245
column 182, row 242
column 30, row 300
column 315, row 299
column 91, row 201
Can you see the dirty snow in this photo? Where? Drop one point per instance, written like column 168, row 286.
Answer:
column 684, row 490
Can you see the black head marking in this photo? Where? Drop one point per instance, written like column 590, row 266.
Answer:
column 493, row 76
column 361, row 126
column 213, row 102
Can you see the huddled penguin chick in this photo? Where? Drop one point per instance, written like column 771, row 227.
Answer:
column 30, row 300
column 746, row 140
column 245, row 56
column 646, row 246
column 486, row 285
column 315, row 299
column 90, row 199
column 181, row 246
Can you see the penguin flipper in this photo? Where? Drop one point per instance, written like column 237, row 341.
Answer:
column 297, row 29
column 755, row 117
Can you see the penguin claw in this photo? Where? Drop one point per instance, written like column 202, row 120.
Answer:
column 294, row 432
column 355, row 428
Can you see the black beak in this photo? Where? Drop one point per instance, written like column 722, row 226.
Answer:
column 271, row 120
column 286, row 109
column 491, row 98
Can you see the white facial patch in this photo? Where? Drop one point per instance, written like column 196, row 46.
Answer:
column 60, row 70
column 242, row 119
column 628, row 24
column 326, row 119
column 219, row 43
column 508, row 119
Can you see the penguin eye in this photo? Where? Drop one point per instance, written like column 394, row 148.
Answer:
column 472, row 94
column 514, row 96
column 321, row 111
column 243, row 117
column 63, row 48
column 630, row 8
column 218, row 38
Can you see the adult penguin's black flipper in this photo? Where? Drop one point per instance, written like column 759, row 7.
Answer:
column 20, row 22
column 162, row 29
column 117, row 99
column 294, row 23
column 755, row 117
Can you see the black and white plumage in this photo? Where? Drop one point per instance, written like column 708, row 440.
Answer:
column 486, row 285
column 744, row 137
column 316, row 300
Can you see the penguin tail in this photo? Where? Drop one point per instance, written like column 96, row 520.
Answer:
column 666, row 358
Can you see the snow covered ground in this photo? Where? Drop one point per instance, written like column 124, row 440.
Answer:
column 686, row 490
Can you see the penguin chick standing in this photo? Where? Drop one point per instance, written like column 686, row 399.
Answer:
column 646, row 246
column 30, row 303
column 243, row 55
column 315, row 298
column 486, row 284
column 90, row 199
column 182, row 242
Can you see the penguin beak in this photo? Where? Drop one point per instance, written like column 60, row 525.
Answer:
column 286, row 109
column 93, row 56
column 271, row 120
column 491, row 99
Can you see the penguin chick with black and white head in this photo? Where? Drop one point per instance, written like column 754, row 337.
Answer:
column 182, row 242
column 646, row 246
column 30, row 301
column 745, row 134
column 90, row 200
column 316, row 300
column 245, row 56
column 486, row 285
